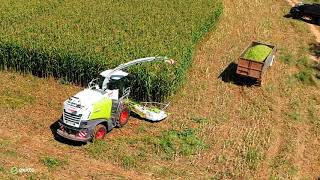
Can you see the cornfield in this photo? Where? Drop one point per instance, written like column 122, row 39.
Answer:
column 75, row 40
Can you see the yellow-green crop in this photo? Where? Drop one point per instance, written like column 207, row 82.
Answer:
column 258, row 53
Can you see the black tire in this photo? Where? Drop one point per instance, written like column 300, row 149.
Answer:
column 99, row 132
column 123, row 116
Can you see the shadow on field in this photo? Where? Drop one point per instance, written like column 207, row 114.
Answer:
column 314, row 49
column 229, row 75
column 54, row 126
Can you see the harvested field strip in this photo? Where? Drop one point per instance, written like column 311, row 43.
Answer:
column 75, row 40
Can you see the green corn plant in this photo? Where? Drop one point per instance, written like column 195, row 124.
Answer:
column 75, row 40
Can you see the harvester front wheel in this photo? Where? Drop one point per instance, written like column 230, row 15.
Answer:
column 100, row 132
column 123, row 116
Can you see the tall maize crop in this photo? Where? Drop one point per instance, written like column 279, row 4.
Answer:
column 76, row 39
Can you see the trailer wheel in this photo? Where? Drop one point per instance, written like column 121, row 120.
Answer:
column 100, row 131
column 123, row 117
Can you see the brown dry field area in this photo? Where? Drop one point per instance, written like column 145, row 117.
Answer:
column 268, row 132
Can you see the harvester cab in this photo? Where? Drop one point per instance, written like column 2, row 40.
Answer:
column 103, row 105
column 115, row 86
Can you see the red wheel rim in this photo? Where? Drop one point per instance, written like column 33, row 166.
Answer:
column 123, row 117
column 100, row 133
